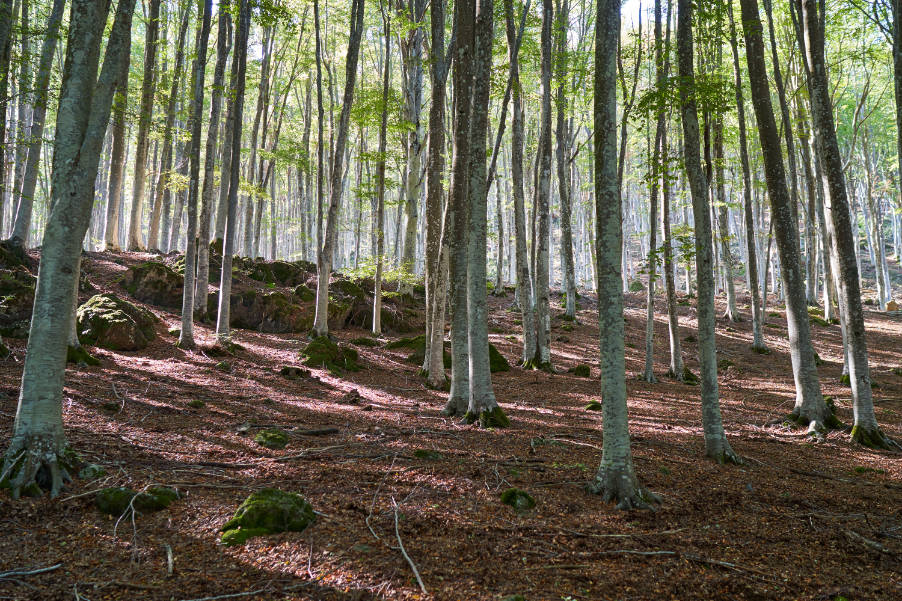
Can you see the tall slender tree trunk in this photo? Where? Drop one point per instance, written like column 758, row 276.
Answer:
column 811, row 27
column 320, row 322
column 436, row 269
column 236, row 115
column 809, row 406
column 749, row 219
column 716, row 445
column 542, row 209
column 482, row 406
column 524, row 285
column 462, row 81
column 723, row 229
column 563, row 159
column 207, row 192
column 380, row 180
column 22, row 224
column 145, row 114
column 38, row 439
column 186, row 336
column 616, row 478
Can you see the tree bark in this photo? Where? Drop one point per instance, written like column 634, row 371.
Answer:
column 380, row 180
column 616, row 478
column 145, row 113
column 563, row 160
column 38, row 439
column 22, row 224
column 865, row 429
column 716, row 445
column 321, row 320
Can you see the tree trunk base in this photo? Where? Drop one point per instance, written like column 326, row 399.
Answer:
column 618, row 485
column 456, row 406
column 37, row 462
column 488, row 418
column 720, row 451
column 874, row 438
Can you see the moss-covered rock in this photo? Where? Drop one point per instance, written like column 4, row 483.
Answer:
column 80, row 356
column 582, row 370
column 110, row 322
column 365, row 341
column 266, row 512
column 196, row 404
column 636, row 286
column 291, row 372
column 418, row 345
column 154, row 283
column 224, row 366
column 119, row 500
column 4, row 350
column 273, row 312
column 272, row 438
column 497, row 362
column 594, row 405
column 520, row 500
column 494, row 418
column 13, row 255
column 323, row 352
column 92, row 471
column 304, row 293
column 427, row 454
column 16, row 301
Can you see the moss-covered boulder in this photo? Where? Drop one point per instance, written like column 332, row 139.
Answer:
column 497, row 362
column 520, row 500
column 119, row 500
column 418, row 345
column 582, row 370
column 273, row 312
column 16, row 301
column 593, row 405
column 92, row 471
column 272, row 438
column 304, row 293
column 323, row 352
column 12, row 255
column 154, row 283
column 267, row 511
column 109, row 322
column 80, row 356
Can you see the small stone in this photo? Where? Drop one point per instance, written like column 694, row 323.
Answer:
column 196, row 403
column 119, row 500
column 267, row 511
column 351, row 398
column 92, row 471
column 520, row 500
column 272, row 438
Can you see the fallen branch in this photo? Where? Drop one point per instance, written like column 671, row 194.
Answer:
column 29, row 572
column 308, row 452
column 316, row 432
column 229, row 596
column 871, row 544
column 404, row 553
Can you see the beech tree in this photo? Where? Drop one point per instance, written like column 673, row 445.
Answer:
column 38, row 443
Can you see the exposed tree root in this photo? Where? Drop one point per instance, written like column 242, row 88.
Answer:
column 874, row 438
column 37, row 462
column 488, row 418
column 456, row 406
column 720, row 451
column 618, row 485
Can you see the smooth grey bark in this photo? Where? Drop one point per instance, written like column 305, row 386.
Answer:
column 435, row 267
column 616, row 478
column 897, row 90
column 112, row 238
column 716, row 445
column 482, row 404
column 25, row 102
column 748, row 217
column 810, row 408
column 723, row 230
column 321, row 320
column 162, row 187
column 38, row 441
column 462, row 81
column 524, row 286
column 563, row 159
column 223, row 39
column 865, row 430
column 6, row 21
column 236, row 112
column 413, row 51
column 22, row 223
column 261, row 112
column 186, row 336
column 542, row 209
column 145, row 113
column 379, row 217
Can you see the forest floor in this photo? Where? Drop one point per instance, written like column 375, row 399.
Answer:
column 799, row 520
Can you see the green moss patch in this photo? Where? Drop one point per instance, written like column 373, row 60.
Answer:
column 497, row 362
column 196, row 404
column 324, row 353
column 267, row 511
column 520, row 500
column 494, row 418
column 636, row 286
column 427, row 454
column 224, row 366
column 364, row 341
column 593, row 405
column 92, row 471
column 119, row 500
column 304, row 293
column 78, row 355
column 581, row 371
column 110, row 322
column 272, row 438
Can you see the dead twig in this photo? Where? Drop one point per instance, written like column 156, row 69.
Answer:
column 229, row 596
column 12, row 574
column 404, row 552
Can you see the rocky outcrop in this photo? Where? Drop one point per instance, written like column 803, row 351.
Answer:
column 154, row 283
column 274, row 312
column 109, row 322
column 16, row 301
